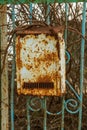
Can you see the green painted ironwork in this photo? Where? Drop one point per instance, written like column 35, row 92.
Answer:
column 37, row 1
column 76, row 104
column 13, row 73
column 82, row 63
column 66, row 104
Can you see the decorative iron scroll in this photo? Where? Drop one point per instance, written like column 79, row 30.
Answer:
column 34, row 104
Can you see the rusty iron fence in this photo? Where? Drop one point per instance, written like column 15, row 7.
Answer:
column 63, row 112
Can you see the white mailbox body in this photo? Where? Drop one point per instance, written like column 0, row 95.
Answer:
column 40, row 62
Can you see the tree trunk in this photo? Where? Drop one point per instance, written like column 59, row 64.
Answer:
column 4, row 75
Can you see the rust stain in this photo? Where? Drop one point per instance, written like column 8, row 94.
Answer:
column 18, row 48
column 40, row 92
column 40, row 29
column 46, row 78
column 37, row 60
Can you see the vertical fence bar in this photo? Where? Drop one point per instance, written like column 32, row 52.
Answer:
column 66, row 22
column 65, row 37
column 48, row 17
column 28, row 114
column 44, row 102
column 13, row 74
column 28, row 98
column 82, row 64
column 45, row 114
column 30, row 13
column 62, row 122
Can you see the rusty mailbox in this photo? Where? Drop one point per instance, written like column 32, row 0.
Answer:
column 40, row 61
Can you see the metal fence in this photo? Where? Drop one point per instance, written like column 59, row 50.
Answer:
column 56, row 113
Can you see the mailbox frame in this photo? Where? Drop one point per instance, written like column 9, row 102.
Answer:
column 47, row 88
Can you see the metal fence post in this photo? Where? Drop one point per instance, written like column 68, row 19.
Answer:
column 45, row 114
column 13, row 74
column 82, row 64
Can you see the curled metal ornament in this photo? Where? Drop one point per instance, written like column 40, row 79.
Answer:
column 73, row 90
column 72, row 106
column 54, row 113
column 68, row 57
column 34, row 103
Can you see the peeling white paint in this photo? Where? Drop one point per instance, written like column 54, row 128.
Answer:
column 40, row 63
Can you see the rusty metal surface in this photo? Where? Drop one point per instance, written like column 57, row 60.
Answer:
column 38, row 61
column 34, row 29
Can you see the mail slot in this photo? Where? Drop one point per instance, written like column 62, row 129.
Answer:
column 40, row 61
